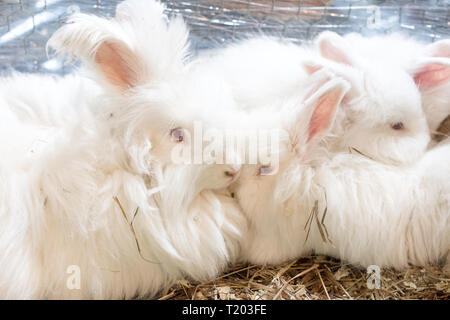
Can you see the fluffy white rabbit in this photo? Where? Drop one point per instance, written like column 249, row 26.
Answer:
column 428, row 64
column 93, row 206
column 390, row 216
column 381, row 115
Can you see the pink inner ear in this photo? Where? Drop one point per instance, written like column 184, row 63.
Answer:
column 112, row 60
column 323, row 113
column 331, row 52
column 311, row 68
column 432, row 75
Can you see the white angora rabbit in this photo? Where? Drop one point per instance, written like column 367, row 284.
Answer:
column 344, row 205
column 381, row 116
column 92, row 203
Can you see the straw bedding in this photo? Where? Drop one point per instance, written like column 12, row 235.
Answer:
column 312, row 278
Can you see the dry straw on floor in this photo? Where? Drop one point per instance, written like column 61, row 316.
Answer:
column 314, row 277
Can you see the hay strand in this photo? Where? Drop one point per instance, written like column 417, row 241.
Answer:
column 116, row 199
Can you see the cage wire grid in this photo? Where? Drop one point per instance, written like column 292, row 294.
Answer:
column 26, row 25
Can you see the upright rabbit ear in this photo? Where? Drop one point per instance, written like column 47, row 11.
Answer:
column 318, row 69
column 118, row 64
column 137, row 46
column 433, row 70
column 331, row 47
column 321, row 101
column 100, row 43
column 322, row 107
column 335, row 48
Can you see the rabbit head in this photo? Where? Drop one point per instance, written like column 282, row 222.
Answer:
column 150, row 100
column 264, row 192
column 426, row 63
column 384, row 118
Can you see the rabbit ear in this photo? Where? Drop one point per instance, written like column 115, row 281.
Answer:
column 434, row 70
column 118, row 64
column 316, row 81
column 316, row 117
column 311, row 67
column 327, row 71
column 335, row 48
column 137, row 46
column 323, row 105
column 100, row 43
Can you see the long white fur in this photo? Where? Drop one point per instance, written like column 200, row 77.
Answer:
column 390, row 216
column 78, row 143
column 410, row 54
column 81, row 149
column 264, row 71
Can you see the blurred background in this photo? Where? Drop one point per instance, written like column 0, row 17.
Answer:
column 26, row 25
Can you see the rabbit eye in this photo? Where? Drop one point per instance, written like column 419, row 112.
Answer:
column 397, row 126
column 177, row 134
column 264, row 170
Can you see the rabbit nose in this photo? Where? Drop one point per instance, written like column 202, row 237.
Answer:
column 232, row 171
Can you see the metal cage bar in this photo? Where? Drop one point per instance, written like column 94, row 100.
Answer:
column 25, row 25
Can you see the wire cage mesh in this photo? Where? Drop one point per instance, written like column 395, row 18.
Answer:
column 26, row 25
